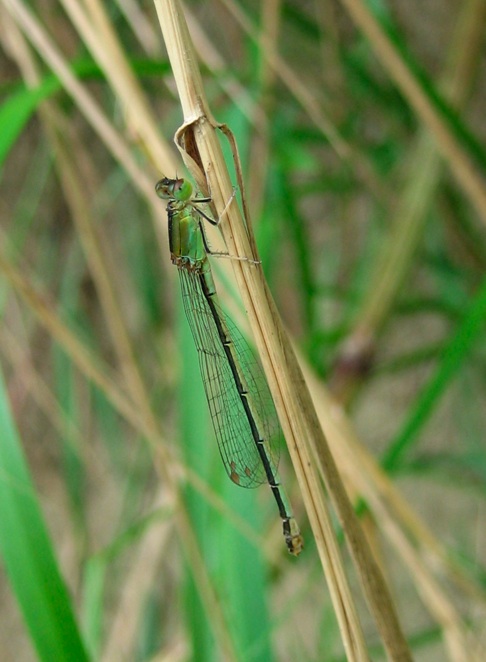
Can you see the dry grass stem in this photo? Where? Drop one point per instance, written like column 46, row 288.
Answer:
column 306, row 97
column 449, row 147
column 423, row 169
column 200, row 146
column 97, row 32
column 425, row 559
column 39, row 38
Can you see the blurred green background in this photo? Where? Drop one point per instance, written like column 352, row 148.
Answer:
column 365, row 175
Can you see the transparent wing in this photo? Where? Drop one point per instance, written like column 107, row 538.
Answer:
column 232, row 426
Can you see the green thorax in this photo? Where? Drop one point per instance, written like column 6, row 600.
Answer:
column 186, row 238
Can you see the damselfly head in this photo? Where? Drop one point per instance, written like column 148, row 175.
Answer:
column 173, row 189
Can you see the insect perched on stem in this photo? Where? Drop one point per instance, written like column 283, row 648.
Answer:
column 242, row 410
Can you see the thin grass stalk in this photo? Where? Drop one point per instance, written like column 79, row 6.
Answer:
column 124, row 628
column 98, row 35
column 447, row 144
column 317, row 113
column 422, row 173
column 39, row 38
column 142, row 27
column 199, row 145
column 260, row 144
column 37, row 388
column 95, row 249
column 214, row 61
column 428, row 563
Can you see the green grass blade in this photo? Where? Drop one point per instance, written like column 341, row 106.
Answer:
column 452, row 359
column 16, row 111
column 28, row 555
column 18, row 108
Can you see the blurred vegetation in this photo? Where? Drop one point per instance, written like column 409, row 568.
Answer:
column 361, row 129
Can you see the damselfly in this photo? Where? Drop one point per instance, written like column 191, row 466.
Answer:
column 242, row 409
